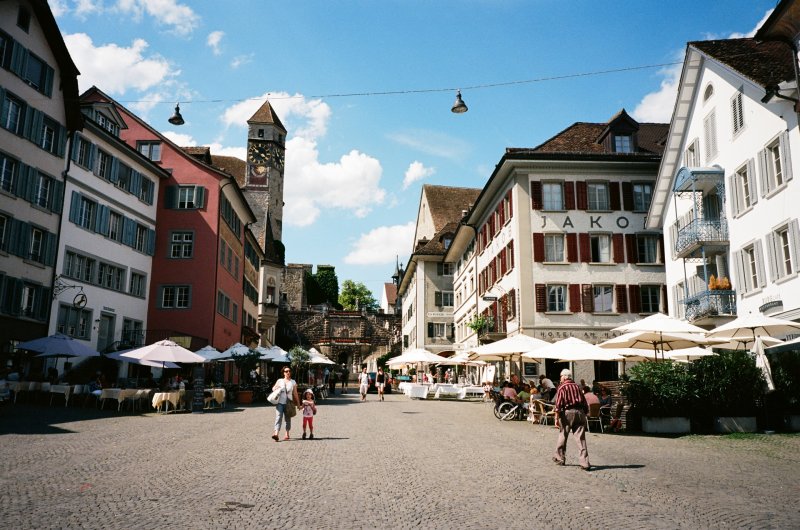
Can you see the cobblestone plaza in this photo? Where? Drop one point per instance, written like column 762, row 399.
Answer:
column 393, row 464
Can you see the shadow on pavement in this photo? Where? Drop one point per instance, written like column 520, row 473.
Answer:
column 625, row 466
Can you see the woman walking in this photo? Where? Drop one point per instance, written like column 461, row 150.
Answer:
column 380, row 382
column 288, row 399
column 363, row 383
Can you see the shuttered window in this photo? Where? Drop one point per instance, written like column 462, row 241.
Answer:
column 710, row 135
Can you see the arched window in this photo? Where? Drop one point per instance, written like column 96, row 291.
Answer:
column 709, row 91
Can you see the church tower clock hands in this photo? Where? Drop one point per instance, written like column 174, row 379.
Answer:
column 266, row 148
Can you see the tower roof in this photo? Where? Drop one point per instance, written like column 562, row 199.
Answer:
column 266, row 115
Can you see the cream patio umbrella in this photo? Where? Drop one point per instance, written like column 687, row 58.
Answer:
column 164, row 351
column 762, row 362
column 688, row 354
column 574, row 349
column 506, row 349
column 660, row 323
column 754, row 325
column 658, row 341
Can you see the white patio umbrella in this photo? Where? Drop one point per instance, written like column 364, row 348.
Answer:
column 754, row 325
column 414, row 356
column 574, row 349
column 745, row 343
column 117, row 356
column 274, row 354
column 659, row 323
column 688, row 354
column 316, row 357
column 210, row 353
column 506, row 348
column 236, row 349
column 763, row 363
column 789, row 345
column 164, row 351
column 657, row 341
column 58, row 345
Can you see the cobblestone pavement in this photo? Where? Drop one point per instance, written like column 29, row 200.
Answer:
column 393, row 464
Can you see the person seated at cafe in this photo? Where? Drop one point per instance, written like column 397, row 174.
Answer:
column 517, row 384
column 96, row 387
column 547, row 386
column 509, row 393
column 524, row 395
column 590, row 396
column 605, row 397
column 595, row 387
column 52, row 375
column 535, row 394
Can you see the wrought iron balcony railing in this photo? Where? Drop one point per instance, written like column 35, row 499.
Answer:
column 710, row 303
column 701, row 232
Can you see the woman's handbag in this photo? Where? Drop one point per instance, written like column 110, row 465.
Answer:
column 274, row 397
column 291, row 410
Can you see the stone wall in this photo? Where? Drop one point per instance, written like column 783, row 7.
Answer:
column 293, row 285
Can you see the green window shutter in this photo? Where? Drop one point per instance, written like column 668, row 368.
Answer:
column 19, row 58
column 24, row 240
column 74, row 205
column 128, row 231
column 200, row 197
column 57, row 196
column 92, row 155
column 135, row 183
column 76, row 144
column 61, row 145
column 43, row 303
column 430, row 329
column 113, row 173
column 47, row 89
column 49, row 249
column 32, row 129
column 437, row 299
column 171, row 197
column 151, row 242
column 101, row 219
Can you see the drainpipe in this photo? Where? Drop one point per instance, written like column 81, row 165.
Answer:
column 54, row 273
column 216, row 261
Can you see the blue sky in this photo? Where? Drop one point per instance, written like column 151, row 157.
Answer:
column 355, row 164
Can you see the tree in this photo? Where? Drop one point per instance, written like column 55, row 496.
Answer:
column 355, row 296
column 328, row 282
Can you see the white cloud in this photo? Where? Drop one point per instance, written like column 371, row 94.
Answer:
column 240, row 60
column 238, row 152
column 181, row 18
column 381, row 245
column 213, row 40
column 58, row 7
column 352, row 183
column 658, row 106
column 116, row 69
column 180, row 139
column 432, row 143
column 302, row 117
column 416, row 171
column 87, row 7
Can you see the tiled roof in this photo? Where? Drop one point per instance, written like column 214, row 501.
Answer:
column 767, row 63
column 202, row 153
column 582, row 137
column 435, row 247
column 446, row 203
column 391, row 293
column 265, row 114
column 231, row 165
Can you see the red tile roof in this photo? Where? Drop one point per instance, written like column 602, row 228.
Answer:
column 767, row 63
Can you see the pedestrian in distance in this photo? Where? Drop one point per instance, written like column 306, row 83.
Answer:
column 287, row 398
column 380, row 382
column 571, row 409
column 309, row 411
column 363, row 383
column 345, row 377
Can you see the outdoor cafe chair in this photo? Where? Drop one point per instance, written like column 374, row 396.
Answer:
column 594, row 416
column 545, row 411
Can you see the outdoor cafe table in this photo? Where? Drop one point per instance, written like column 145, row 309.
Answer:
column 418, row 391
column 27, row 386
column 118, row 394
column 60, row 389
column 161, row 398
column 217, row 394
column 445, row 389
column 465, row 391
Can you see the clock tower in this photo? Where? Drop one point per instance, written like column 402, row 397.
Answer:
column 266, row 148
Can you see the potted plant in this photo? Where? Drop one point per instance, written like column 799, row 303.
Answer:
column 662, row 394
column 245, row 363
column 298, row 360
column 481, row 323
column 729, row 386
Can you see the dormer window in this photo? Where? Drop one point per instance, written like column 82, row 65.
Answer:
column 623, row 143
column 24, row 19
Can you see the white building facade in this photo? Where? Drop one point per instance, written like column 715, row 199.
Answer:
column 107, row 241
column 555, row 246
column 726, row 195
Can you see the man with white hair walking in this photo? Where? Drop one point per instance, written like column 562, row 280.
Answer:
column 571, row 410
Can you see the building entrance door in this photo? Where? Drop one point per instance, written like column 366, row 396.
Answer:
column 105, row 332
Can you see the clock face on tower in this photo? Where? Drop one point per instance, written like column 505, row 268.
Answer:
column 277, row 156
column 258, row 153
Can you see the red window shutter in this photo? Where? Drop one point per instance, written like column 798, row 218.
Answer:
column 512, row 303
column 635, row 298
column 510, row 250
column 664, row 300
column 627, row 196
column 575, row 298
column 618, row 242
column 569, row 195
column 585, row 246
column 622, row 299
column 509, row 197
column 587, row 294
column 613, row 192
column 504, row 261
column 581, row 196
column 572, row 248
column 541, row 298
column 536, row 195
column 633, row 252
column 538, row 248
column 490, row 230
column 501, row 214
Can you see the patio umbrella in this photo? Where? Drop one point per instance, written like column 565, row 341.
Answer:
column 754, row 325
column 316, row 357
column 275, row 354
column 688, row 354
column 574, row 349
column 659, row 323
column 789, row 345
column 164, row 351
column 58, row 345
column 117, row 356
column 741, row 343
column 210, row 353
column 657, row 341
column 506, row 348
column 763, row 363
column 414, row 356
column 236, row 349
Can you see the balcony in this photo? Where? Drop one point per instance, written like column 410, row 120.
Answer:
column 268, row 316
column 698, row 179
column 708, row 304
column 698, row 233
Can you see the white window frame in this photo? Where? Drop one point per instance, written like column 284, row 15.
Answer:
column 596, row 247
column 605, row 294
column 556, row 298
column 552, row 242
column 551, row 202
column 642, row 196
column 598, row 197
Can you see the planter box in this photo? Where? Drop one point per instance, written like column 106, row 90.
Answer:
column 244, row 397
column 791, row 422
column 729, row 424
column 669, row 425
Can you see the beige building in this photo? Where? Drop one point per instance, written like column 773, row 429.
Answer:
column 555, row 245
column 38, row 112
